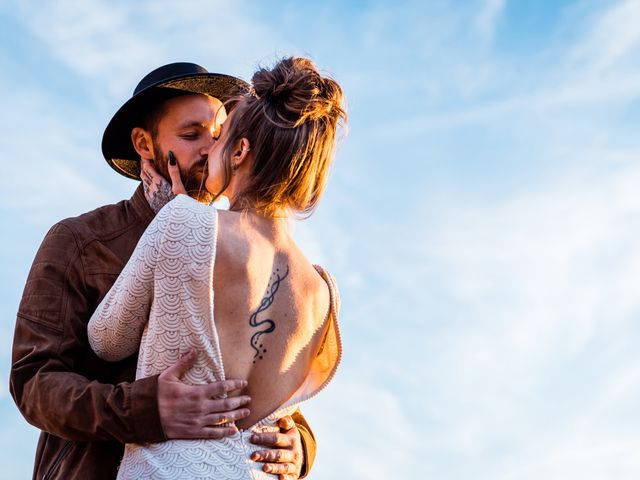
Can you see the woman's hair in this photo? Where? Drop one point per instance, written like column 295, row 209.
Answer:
column 290, row 119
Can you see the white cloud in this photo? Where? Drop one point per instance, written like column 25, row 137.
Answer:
column 487, row 18
column 546, row 278
column 599, row 69
column 54, row 174
column 113, row 44
column 490, row 335
column 363, row 432
column 612, row 39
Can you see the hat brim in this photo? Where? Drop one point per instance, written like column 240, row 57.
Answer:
column 117, row 147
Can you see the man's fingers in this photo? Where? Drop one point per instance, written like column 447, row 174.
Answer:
column 216, row 433
column 216, row 389
column 225, row 405
column 221, row 416
column 271, row 440
column 176, row 371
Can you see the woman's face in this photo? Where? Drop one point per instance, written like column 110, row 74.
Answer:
column 215, row 178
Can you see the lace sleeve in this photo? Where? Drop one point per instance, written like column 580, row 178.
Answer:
column 117, row 324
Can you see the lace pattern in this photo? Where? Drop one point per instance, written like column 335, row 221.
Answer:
column 168, row 281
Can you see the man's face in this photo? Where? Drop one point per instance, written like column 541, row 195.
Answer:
column 187, row 128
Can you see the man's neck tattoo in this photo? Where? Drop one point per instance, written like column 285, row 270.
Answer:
column 267, row 325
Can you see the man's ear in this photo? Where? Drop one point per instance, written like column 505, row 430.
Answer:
column 241, row 153
column 141, row 140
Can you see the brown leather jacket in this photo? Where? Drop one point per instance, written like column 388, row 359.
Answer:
column 86, row 408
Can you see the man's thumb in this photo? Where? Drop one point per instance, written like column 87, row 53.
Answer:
column 183, row 365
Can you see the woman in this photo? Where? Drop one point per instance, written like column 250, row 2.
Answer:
column 275, row 314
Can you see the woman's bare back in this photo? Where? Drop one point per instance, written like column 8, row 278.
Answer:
column 270, row 309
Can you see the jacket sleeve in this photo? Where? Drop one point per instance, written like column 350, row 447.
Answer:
column 308, row 443
column 116, row 327
column 51, row 350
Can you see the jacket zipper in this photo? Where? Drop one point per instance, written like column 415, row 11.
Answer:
column 61, row 456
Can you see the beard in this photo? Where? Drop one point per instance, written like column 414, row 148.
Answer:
column 193, row 179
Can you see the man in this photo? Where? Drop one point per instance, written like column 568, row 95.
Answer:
column 87, row 408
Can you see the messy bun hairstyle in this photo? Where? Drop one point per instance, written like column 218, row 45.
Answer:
column 290, row 118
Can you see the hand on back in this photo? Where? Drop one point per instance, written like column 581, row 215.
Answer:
column 193, row 411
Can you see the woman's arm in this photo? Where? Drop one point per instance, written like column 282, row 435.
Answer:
column 116, row 327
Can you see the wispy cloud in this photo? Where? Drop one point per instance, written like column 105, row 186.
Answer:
column 612, row 41
column 114, row 43
column 546, row 282
column 489, row 331
column 600, row 68
column 378, row 441
column 487, row 18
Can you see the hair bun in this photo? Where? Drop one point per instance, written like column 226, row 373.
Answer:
column 294, row 92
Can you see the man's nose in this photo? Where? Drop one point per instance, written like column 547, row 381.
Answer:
column 205, row 146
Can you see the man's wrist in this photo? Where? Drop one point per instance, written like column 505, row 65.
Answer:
column 145, row 411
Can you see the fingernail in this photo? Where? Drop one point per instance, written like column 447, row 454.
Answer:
column 255, row 456
column 172, row 159
column 254, row 438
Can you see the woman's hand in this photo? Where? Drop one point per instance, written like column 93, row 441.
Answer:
column 157, row 189
column 174, row 173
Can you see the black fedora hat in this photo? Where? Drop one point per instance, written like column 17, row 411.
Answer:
column 163, row 83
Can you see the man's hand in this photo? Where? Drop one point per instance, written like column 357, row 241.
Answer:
column 191, row 411
column 285, row 456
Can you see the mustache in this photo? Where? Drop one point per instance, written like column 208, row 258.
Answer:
column 194, row 179
column 199, row 166
column 196, row 174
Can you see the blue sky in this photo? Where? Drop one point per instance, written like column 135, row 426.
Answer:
column 482, row 216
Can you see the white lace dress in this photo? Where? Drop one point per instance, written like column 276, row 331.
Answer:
column 168, row 280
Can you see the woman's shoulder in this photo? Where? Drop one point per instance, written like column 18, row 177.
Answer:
column 184, row 213
column 185, row 201
column 183, row 204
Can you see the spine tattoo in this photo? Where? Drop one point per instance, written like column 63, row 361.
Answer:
column 267, row 325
